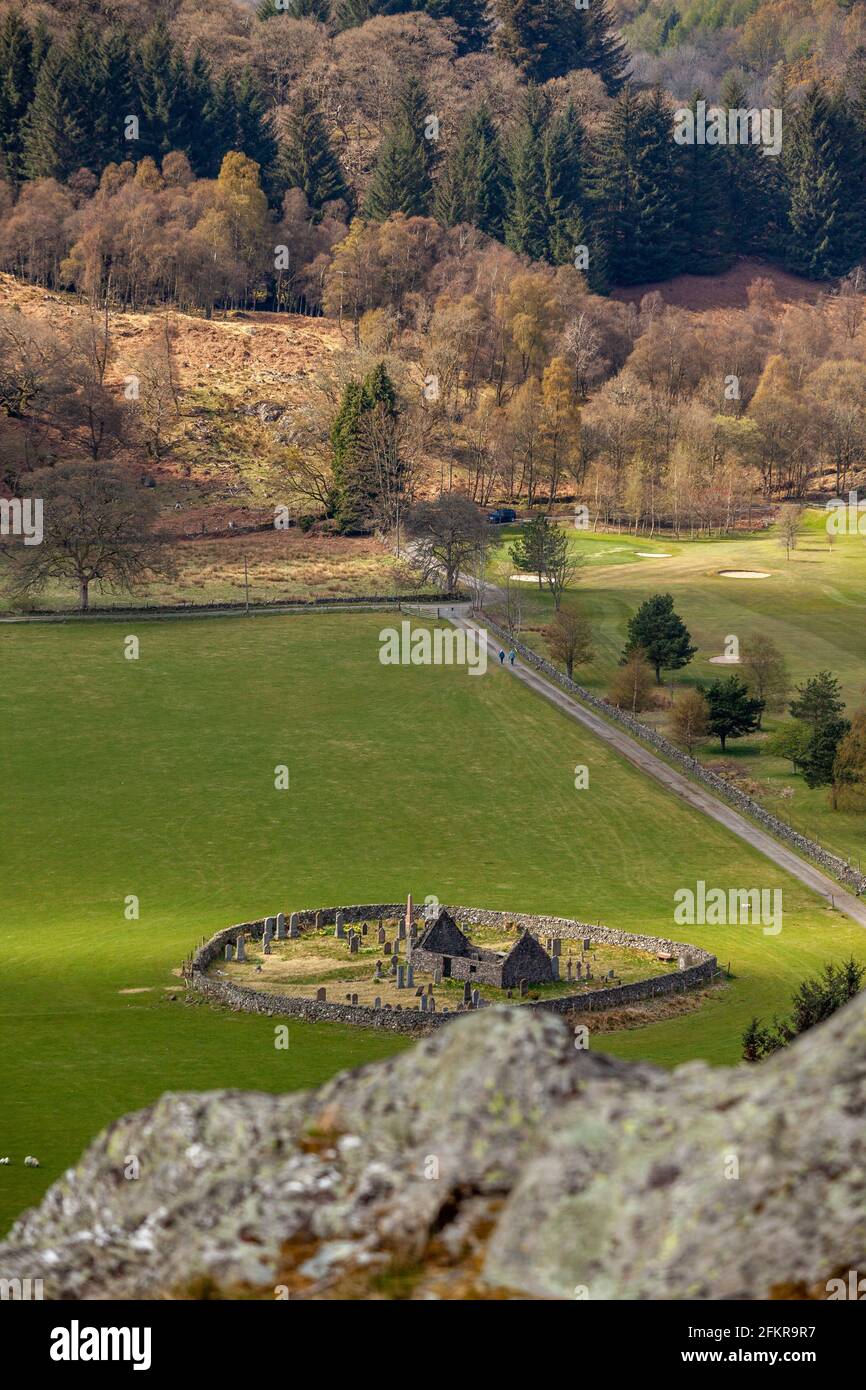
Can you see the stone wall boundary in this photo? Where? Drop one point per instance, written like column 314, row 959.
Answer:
column 746, row 805
column 698, row 969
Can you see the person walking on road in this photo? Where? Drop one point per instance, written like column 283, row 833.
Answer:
column 512, row 655
column 501, row 657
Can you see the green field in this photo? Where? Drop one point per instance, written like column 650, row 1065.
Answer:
column 813, row 606
column 156, row 778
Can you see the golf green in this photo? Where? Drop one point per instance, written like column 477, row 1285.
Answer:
column 154, row 779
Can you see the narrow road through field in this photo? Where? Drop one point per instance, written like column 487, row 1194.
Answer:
column 680, row 785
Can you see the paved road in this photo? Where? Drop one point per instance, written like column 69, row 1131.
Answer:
column 680, row 785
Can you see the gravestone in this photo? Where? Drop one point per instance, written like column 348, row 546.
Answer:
column 401, row 977
column 380, row 936
column 524, row 989
column 586, row 943
column 554, row 966
column 338, row 926
column 401, row 931
column 475, row 998
column 394, row 966
column 321, row 995
column 364, row 929
column 354, row 944
column 396, row 946
column 318, row 919
column 387, row 946
column 294, row 927
column 410, row 975
column 422, row 1003
column 437, row 975
column 430, row 987
column 268, row 948
column 377, row 1002
column 230, row 951
column 241, row 950
column 354, row 998
column 569, row 970
column 377, row 973
column 578, row 969
column 467, row 993
column 407, row 921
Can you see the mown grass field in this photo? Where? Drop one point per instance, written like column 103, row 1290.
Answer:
column 155, row 778
column 813, row 606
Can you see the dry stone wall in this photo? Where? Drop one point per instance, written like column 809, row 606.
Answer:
column 698, row 968
column 810, row 849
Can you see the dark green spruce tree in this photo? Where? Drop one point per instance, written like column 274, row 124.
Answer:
column 526, row 227
column 53, row 131
column 17, row 86
column 707, row 229
column 401, row 180
column 306, row 159
column 564, row 191
column 638, row 191
column 818, row 241
column 255, row 130
column 473, row 187
column 549, row 38
column 356, row 492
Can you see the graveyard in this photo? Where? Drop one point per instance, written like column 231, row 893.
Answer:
column 155, row 779
column 393, row 963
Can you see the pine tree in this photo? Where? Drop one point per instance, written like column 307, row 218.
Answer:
column 563, row 186
column 660, row 634
column 17, row 86
column 117, row 96
column 748, row 179
column 637, row 189
column 356, row 494
column 526, row 228
column 221, row 124
column 401, row 179
column 255, row 129
column 53, row 136
column 473, row 186
column 706, row 214
column 818, row 244
column 549, row 38
column 470, row 16
column 306, row 158
column 207, row 150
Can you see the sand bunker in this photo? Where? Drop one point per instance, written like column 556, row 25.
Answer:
column 724, row 661
column 745, row 574
column 525, row 578
column 654, row 554
column 142, row 989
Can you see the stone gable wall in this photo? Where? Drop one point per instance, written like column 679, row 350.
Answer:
column 700, row 970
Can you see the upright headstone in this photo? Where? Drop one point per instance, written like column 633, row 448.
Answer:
column 377, row 973
column 354, row 944
column 294, row 927
column 364, row 929
column 401, row 976
column 377, row 1002
column 319, row 919
column 586, row 943
column 395, row 965
column 338, row 926
column 467, row 993
column 431, row 1004
column 579, row 969
column 354, row 998
column 387, row 947
column 422, row 1003
column 475, row 998
column 268, row 932
column 524, row 989
column 554, row 966
column 281, row 926
column 408, row 918
column 230, row 951
column 321, row 995
column 429, row 986
column 241, row 950
column 396, row 946
column 569, row 969
column 380, row 936
column 437, row 975
column 410, row 975
column 401, row 931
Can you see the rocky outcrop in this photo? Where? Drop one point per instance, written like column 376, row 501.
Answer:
column 492, row 1159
